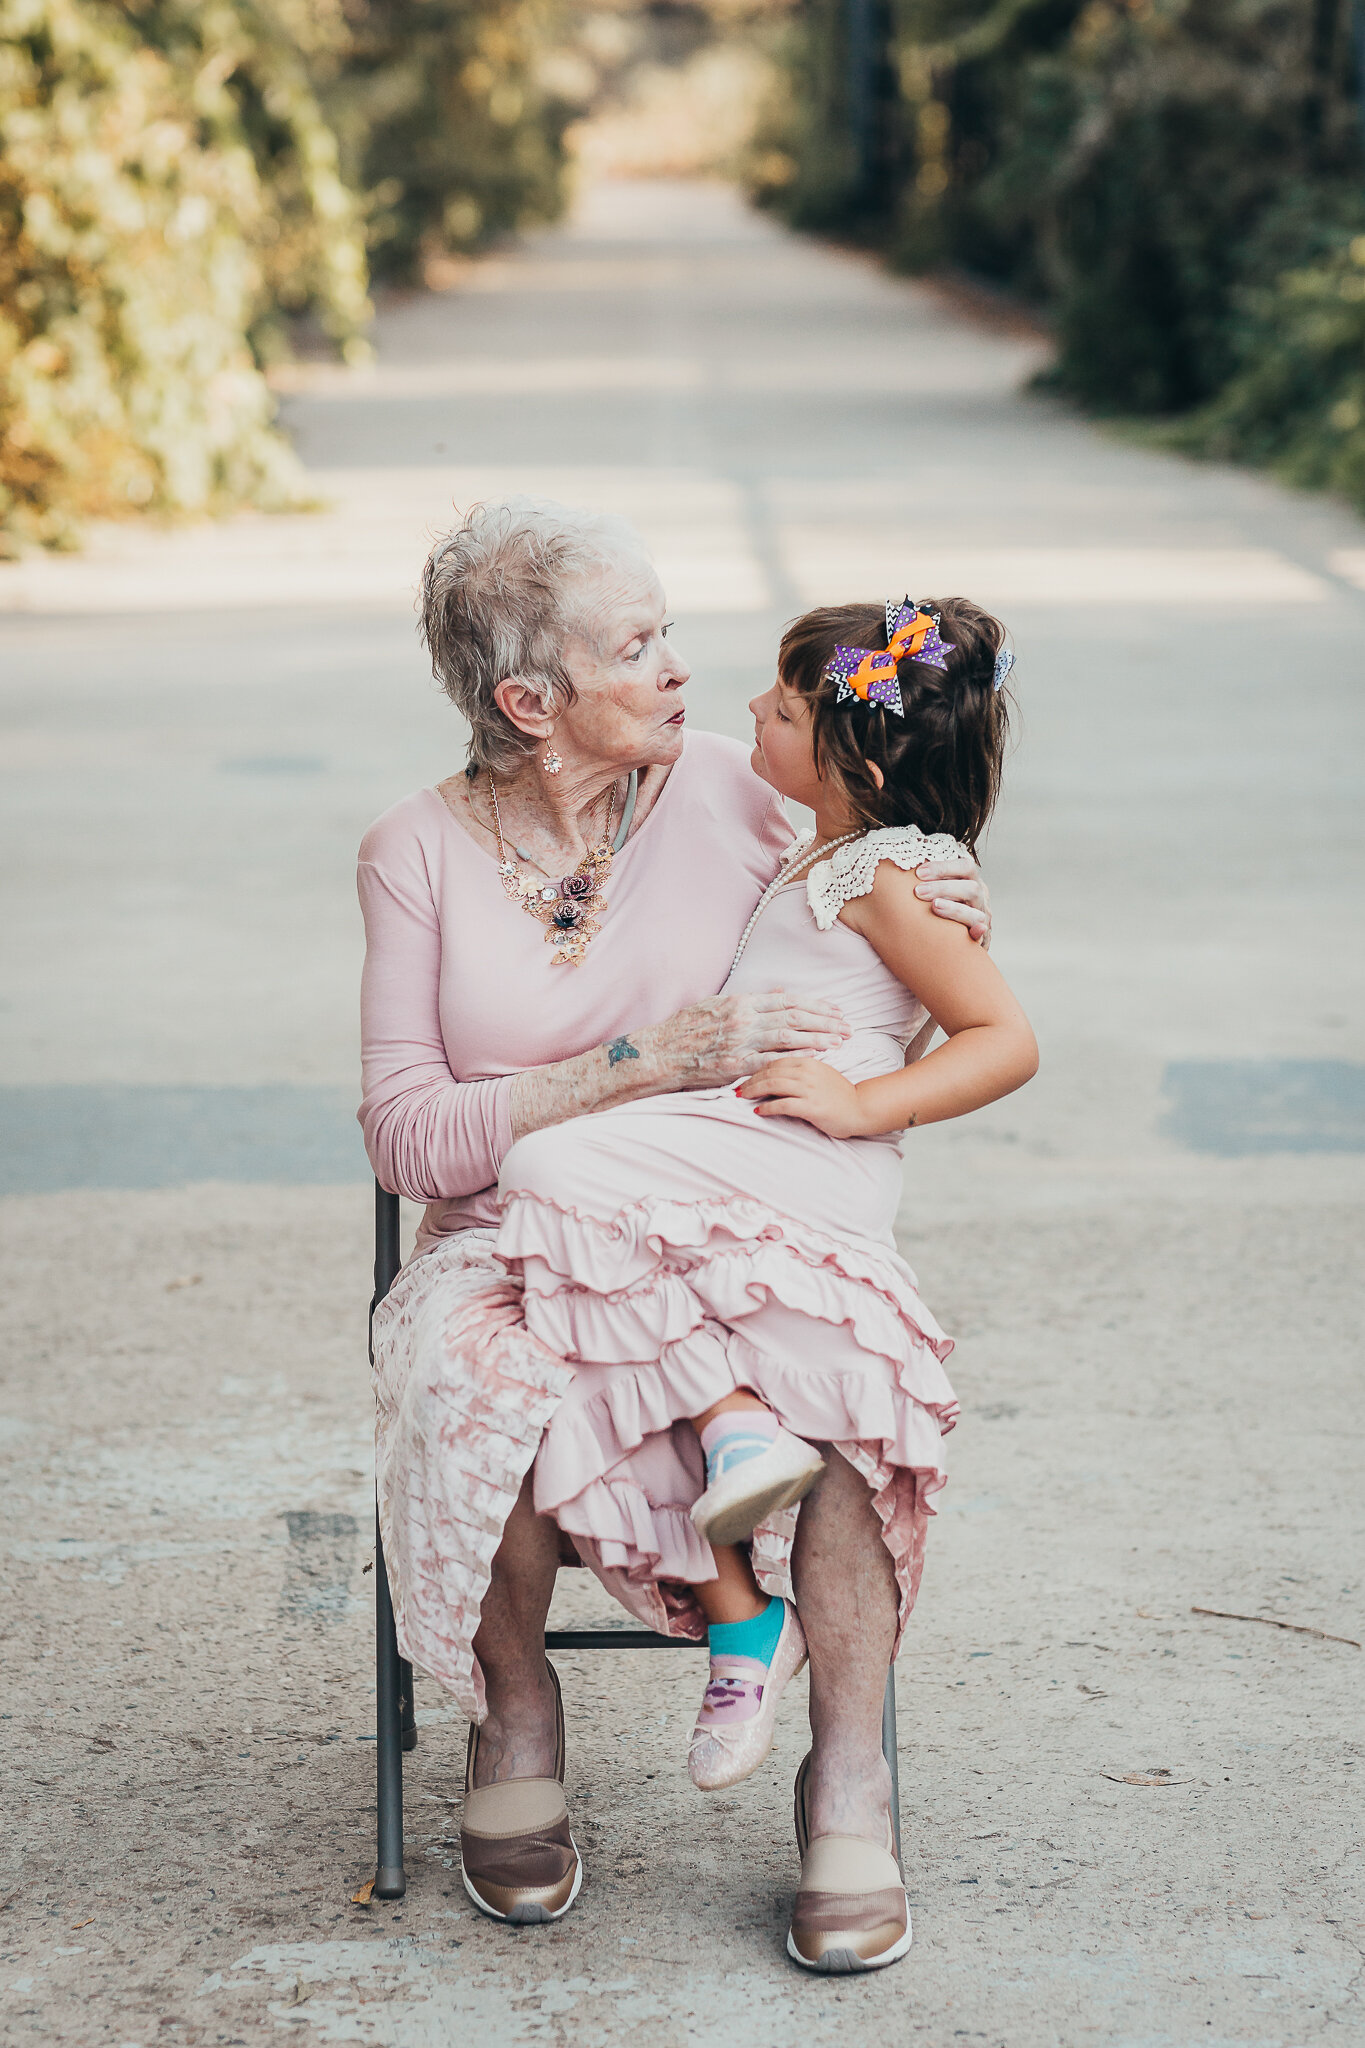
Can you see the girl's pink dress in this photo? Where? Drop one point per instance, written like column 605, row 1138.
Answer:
column 792, row 1275
column 674, row 1249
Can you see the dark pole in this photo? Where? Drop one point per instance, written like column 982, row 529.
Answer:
column 390, row 1878
column 386, row 1257
column 891, row 1751
column 861, row 62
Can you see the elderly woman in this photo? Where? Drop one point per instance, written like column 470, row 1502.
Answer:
column 546, row 933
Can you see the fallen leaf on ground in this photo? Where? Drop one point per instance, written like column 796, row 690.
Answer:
column 77, row 1925
column 367, row 1568
column 1298, row 1628
column 363, row 1896
column 1143, row 1778
column 299, row 1994
column 185, row 1280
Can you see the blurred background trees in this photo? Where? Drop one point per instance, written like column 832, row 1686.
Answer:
column 191, row 189
column 448, row 122
column 1179, row 185
column 187, row 185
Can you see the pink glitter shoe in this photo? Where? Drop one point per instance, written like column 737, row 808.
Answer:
column 738, row 1717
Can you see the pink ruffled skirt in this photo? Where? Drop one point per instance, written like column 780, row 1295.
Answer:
column 673, row 1250
column 650, row 1259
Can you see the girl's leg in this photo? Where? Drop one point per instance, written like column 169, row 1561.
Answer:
column 733, row 1594
column 756, row 1646
column 752, row 1467
column 731, row 1404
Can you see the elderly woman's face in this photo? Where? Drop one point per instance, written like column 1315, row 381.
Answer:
column 629, row 709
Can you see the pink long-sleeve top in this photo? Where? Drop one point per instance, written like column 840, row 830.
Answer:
column 459, row 992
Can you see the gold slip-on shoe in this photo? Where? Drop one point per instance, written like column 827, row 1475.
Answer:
column 851, row 1912
column 517, row 1858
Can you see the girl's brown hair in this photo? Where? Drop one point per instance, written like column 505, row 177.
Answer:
column 941, row 761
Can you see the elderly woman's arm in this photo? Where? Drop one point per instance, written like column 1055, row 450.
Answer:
column 432, row 1137
column 428, row 1135
column 705, row 1046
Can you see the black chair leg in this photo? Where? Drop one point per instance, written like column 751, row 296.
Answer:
column 409, row 1704
column 889, row 1751
column 390, row 1878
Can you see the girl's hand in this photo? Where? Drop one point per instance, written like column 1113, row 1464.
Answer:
column 957, row 889
column 810, row 1090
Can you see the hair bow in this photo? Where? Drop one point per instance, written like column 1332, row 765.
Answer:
column 870, row 673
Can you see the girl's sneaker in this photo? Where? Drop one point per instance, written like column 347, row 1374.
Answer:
column 753, row 1468
column 738, row 1717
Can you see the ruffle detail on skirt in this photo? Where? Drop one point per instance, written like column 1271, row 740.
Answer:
column 611, row 1255
column 463, row 1395
column 668, row 1306
column 631, row 1535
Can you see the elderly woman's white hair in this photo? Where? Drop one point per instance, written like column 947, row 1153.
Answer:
column 503, row 595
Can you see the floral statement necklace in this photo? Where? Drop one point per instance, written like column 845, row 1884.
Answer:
column 570, row 909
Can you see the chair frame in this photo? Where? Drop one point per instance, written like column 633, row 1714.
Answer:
column 395, row 1720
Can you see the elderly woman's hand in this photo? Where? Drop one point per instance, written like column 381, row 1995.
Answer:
column 957, row 889
column 726, row 1037
column 711, row 1043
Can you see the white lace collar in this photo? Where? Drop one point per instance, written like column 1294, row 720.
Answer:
column 851, row 870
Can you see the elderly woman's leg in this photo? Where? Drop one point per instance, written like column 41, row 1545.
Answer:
column 846, row 1596
column 517, row 1740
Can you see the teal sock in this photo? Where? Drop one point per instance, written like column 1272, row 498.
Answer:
column 755, row 1638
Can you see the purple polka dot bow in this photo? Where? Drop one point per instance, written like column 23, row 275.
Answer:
column 870, row 673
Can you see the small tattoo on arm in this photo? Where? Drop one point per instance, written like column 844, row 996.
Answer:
column 621, row 1049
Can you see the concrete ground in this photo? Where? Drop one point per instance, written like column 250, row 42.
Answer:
column 1127, row 1821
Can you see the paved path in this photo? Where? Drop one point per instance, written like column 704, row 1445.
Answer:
column 1126, row 1822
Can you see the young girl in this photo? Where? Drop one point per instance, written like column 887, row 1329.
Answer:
column 720, row 1267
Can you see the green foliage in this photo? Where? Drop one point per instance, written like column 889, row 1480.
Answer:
column 1296, row 403
column 253, row 67
column 1176, row 182
column 181, row 179
column 127, row 283
column 805, row 161
column 444, row 119
column 1146, row 156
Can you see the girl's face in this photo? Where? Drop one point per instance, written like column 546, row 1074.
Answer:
column 629, row 678
column 783, row 753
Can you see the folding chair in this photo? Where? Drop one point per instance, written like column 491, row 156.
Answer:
column 395, row 1721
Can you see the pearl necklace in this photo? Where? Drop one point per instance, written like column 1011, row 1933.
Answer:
column 788, row 872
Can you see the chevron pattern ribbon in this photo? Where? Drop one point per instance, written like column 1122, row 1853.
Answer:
column 870, row 673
